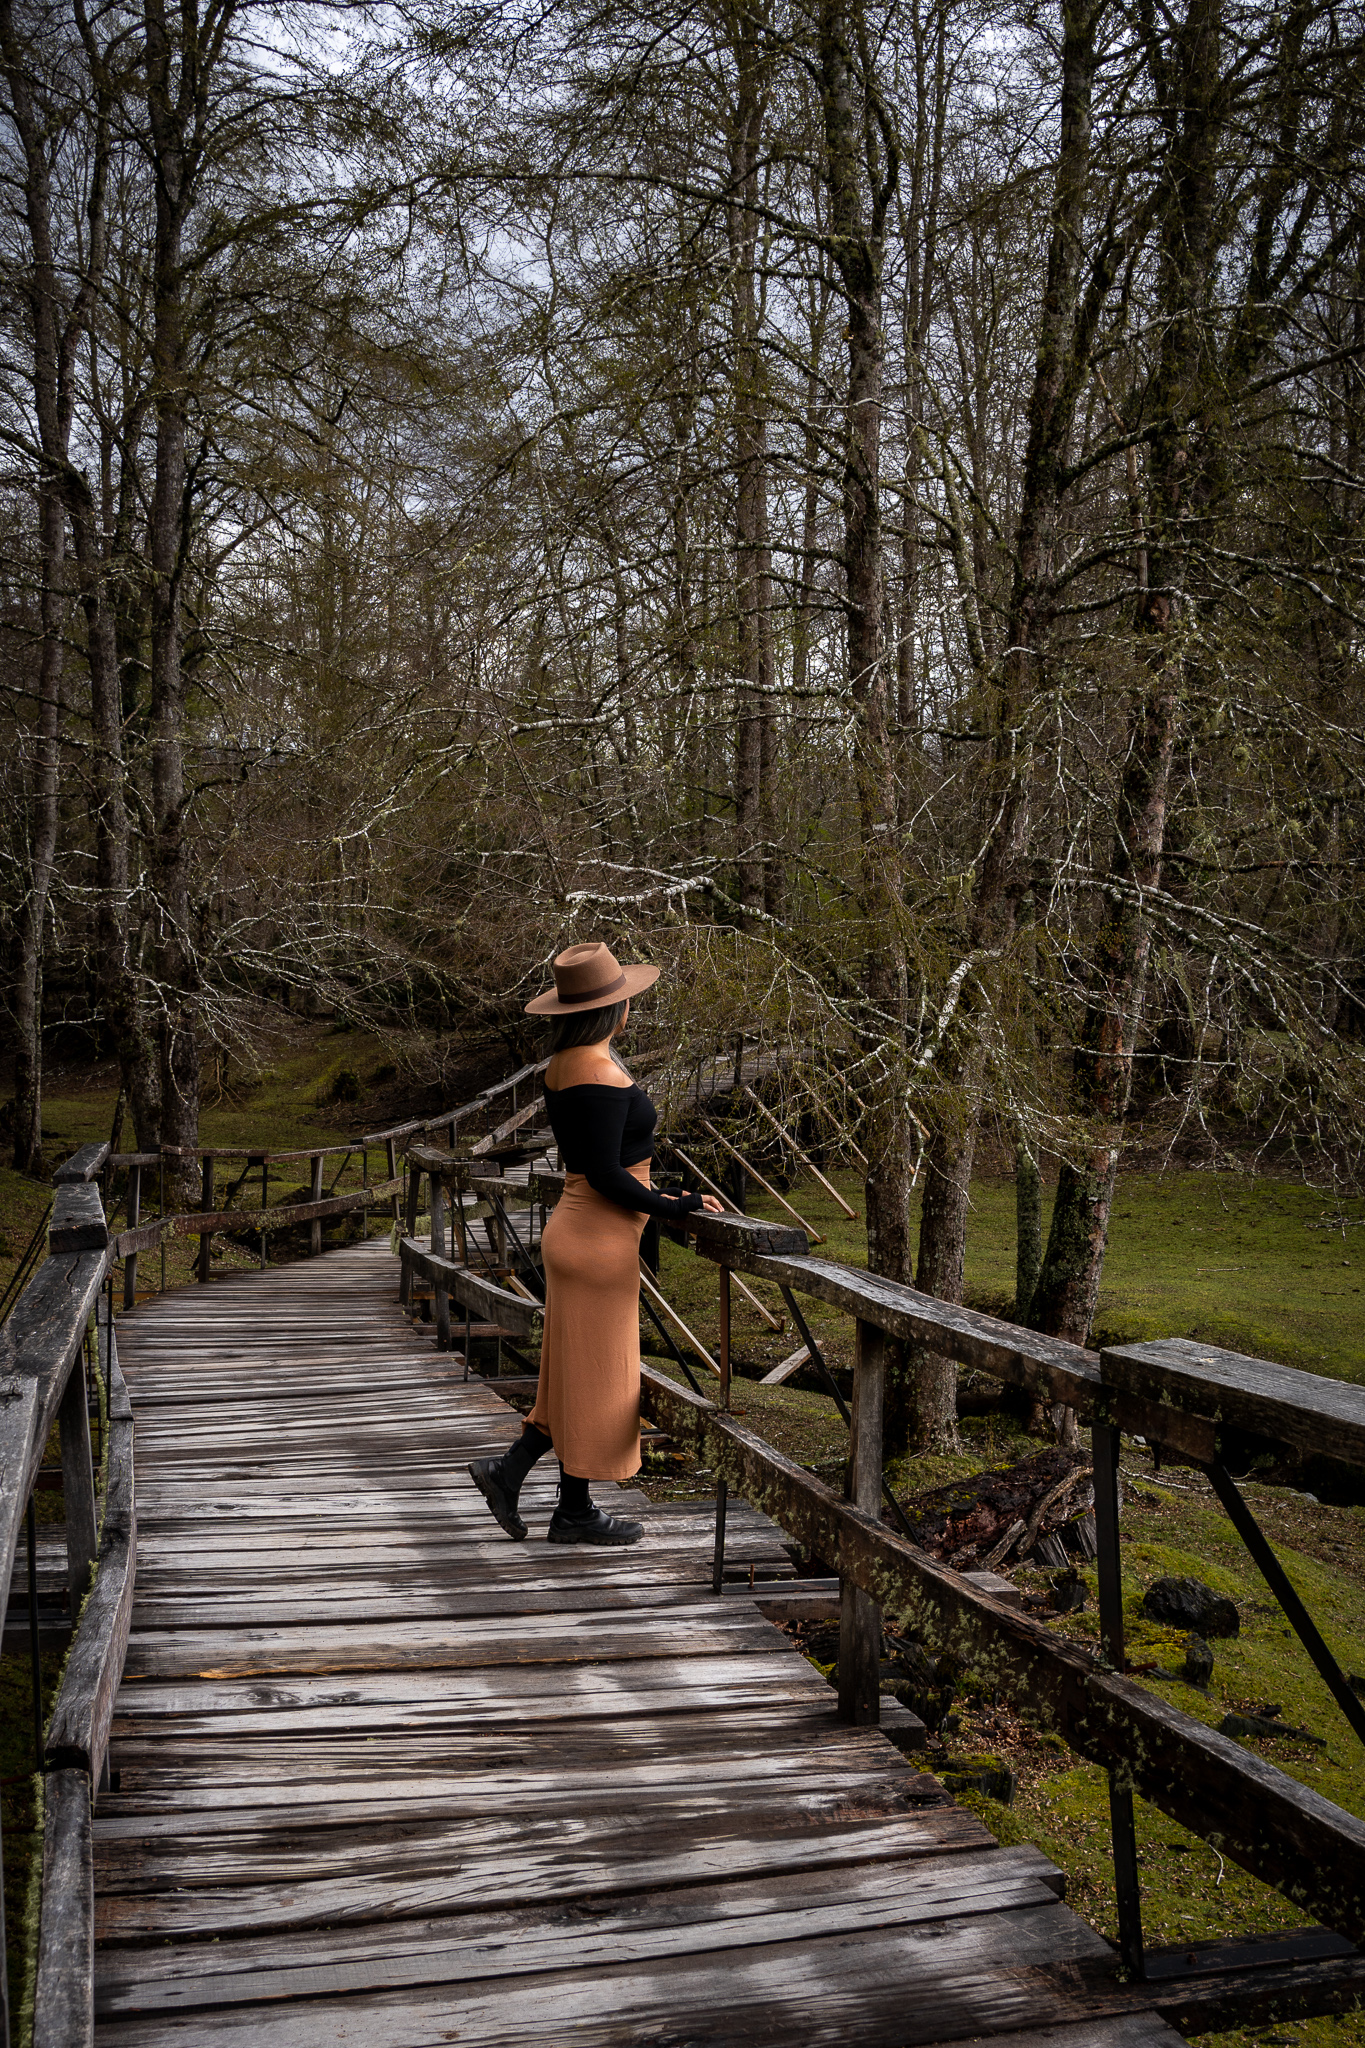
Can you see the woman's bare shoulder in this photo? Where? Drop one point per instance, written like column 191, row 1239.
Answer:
column 585, row 1065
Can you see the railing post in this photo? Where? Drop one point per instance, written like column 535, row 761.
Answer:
column 205, row 1203
column 365, row 1188
column 860, row 1618
column 315, row 1245
column 391, row 1161
column 78, row 1484
column 413, row 1202
column 438, row 1247
column 134, row 1218
column 1127, row 1885
column 722, row 1490
column 265, row 1204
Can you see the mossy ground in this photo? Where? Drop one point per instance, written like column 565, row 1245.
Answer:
column 1265, row 1266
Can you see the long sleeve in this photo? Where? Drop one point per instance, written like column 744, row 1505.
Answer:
column 590, row 1133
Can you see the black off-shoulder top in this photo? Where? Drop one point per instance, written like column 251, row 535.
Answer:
column 600, row 1131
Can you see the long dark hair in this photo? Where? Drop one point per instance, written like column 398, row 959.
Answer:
column 585, row 1027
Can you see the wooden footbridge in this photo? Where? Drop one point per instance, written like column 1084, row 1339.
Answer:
column 333, row 1761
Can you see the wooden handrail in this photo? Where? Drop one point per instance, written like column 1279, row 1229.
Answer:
column 1281, row 1831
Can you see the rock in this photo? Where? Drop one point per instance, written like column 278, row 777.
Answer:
column 1262, row 1725
column 1191, row 1605
column 1198, row 1667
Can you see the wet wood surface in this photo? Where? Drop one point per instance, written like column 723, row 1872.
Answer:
column 382, row 1775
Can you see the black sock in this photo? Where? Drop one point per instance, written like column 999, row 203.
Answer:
column 515, row 1463
column 574, row 1498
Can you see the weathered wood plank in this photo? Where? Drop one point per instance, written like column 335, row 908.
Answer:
column 83, row 1165
column 1321, row 1417
column 78, row 1223
column 497, row 1304
column 78, row 1733
column 64, row 2006
column 720, row 1920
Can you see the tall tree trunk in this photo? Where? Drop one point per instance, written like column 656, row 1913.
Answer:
column 27, row 995
column 175, row 85
column 753, row 549
column 860, row 160
column 52, row 333
column 119, row 980
column 1065, row 332
column 1068, row 1288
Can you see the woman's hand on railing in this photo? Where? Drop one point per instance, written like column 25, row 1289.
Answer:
column 711, row 1206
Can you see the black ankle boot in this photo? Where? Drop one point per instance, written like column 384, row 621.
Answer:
column 500, row 1480
column 578, row 1520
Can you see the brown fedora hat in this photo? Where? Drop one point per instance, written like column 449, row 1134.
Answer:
column 588, row 978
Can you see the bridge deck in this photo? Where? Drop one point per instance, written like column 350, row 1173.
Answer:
column 385, row 1778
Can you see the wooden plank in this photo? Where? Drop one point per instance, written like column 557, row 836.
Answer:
column 63, row 2006
column 78, row 1732
column 1279, row 1830
column 83, row 1165
column 720, row 1920
column 496, row 1304
column 1319, row 1417
column 878, row 1987
column 78, row 1223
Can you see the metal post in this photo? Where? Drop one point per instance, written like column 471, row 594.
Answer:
column 134, row 1218
column 1123, row 1830
column 315, row 1242
column 34, row 1645
column 860, row 1618
column 722, row 1490
column 205, row 1204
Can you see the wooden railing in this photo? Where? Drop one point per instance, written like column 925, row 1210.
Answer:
column 42, row 1381
column 1178, row 1396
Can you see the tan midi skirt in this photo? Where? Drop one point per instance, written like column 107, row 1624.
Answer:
column 588, row 1400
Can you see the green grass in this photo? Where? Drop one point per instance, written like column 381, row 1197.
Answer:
column 1264, row 1266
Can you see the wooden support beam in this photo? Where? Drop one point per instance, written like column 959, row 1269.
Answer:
column 78, row 1484
column 860, row 1617
column 206, row 1232
column 315, row 1193
column 666, row 1308
column 1284, row 1833
column 493, row 1303
column 711, row 1187
column 134, row 1213
column 811, row 1232
column 806, row 1161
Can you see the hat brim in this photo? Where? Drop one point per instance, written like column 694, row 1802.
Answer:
column 634, row 979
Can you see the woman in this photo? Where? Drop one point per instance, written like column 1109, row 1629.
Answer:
column 588, row 1401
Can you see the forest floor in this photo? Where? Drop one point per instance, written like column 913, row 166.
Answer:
column 1258, row 1263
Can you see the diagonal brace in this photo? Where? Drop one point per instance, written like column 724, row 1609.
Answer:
column 1275, row 1576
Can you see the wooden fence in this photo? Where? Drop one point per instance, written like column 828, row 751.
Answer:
column 1178, row 1396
